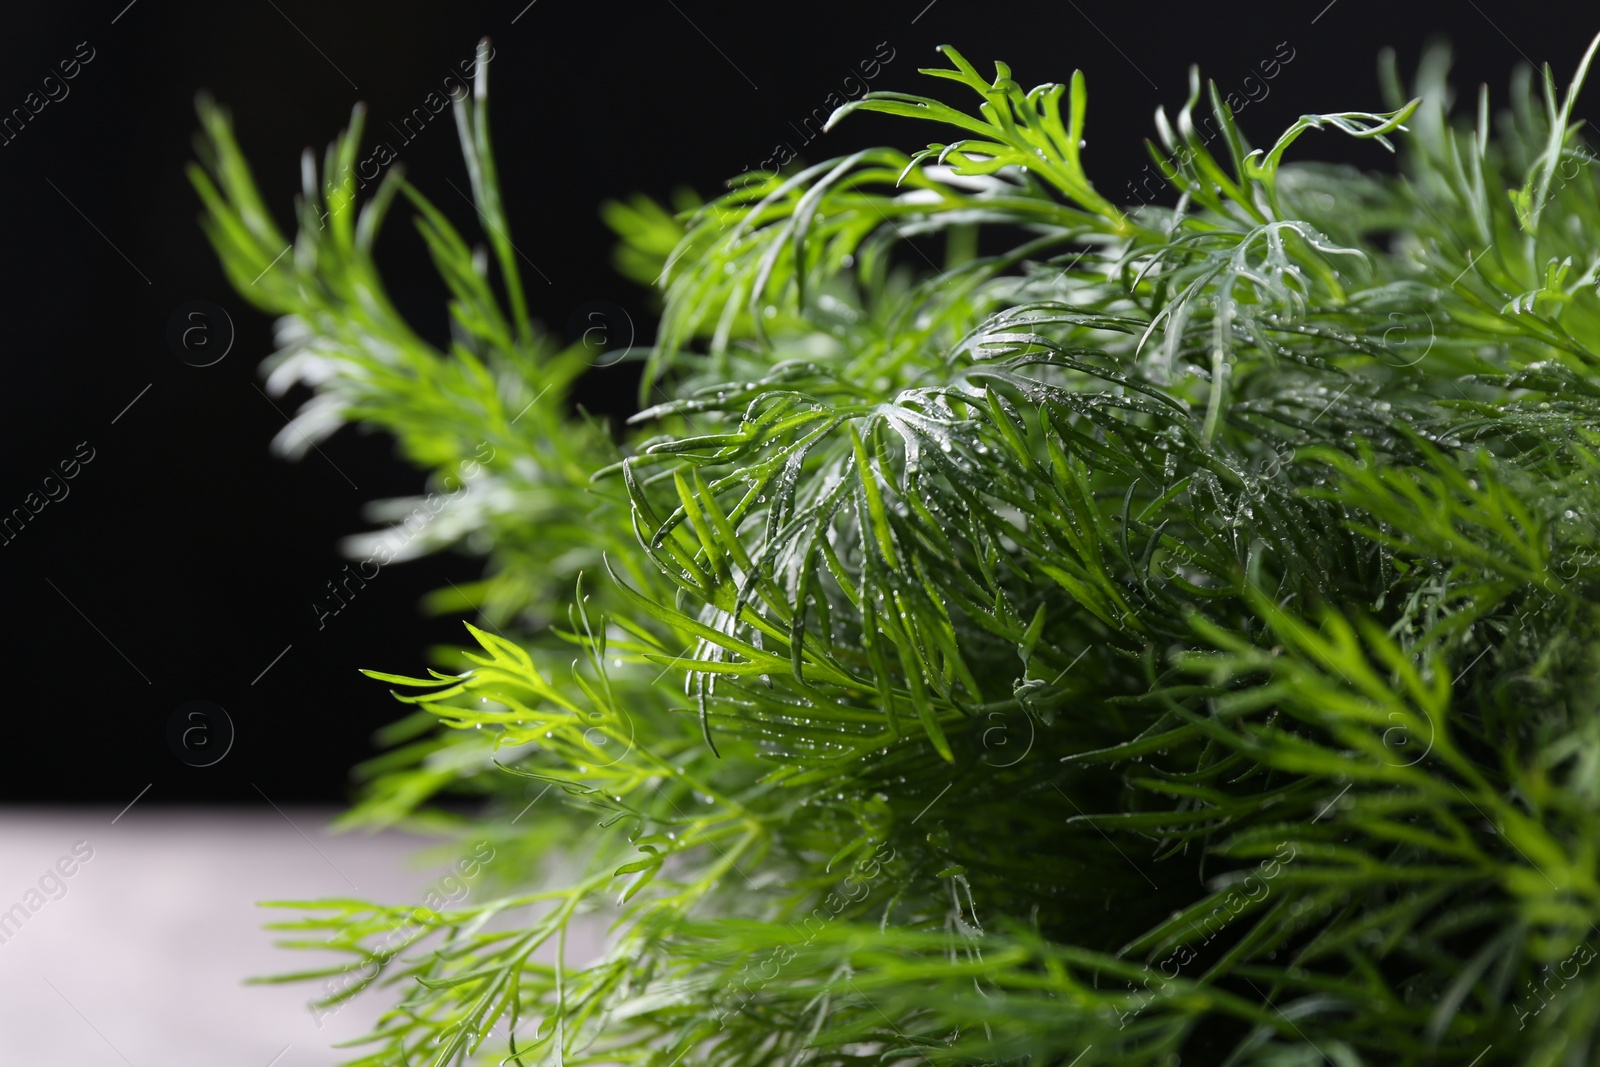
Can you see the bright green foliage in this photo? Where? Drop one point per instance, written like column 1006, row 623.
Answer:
column 1146, row 632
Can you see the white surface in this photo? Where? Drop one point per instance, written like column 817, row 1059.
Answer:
column 148, row 949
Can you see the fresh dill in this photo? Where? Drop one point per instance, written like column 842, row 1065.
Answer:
column 1172, row 635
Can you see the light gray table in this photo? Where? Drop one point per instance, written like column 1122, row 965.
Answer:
column 139, row 957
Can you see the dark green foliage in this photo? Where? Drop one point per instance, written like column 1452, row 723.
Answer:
column 1172, row 635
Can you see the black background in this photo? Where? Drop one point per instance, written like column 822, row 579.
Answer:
column 186, row 557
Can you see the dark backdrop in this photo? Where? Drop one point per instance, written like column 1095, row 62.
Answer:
column 183, row 562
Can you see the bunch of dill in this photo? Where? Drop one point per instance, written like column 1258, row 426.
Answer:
column 1172, row 636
